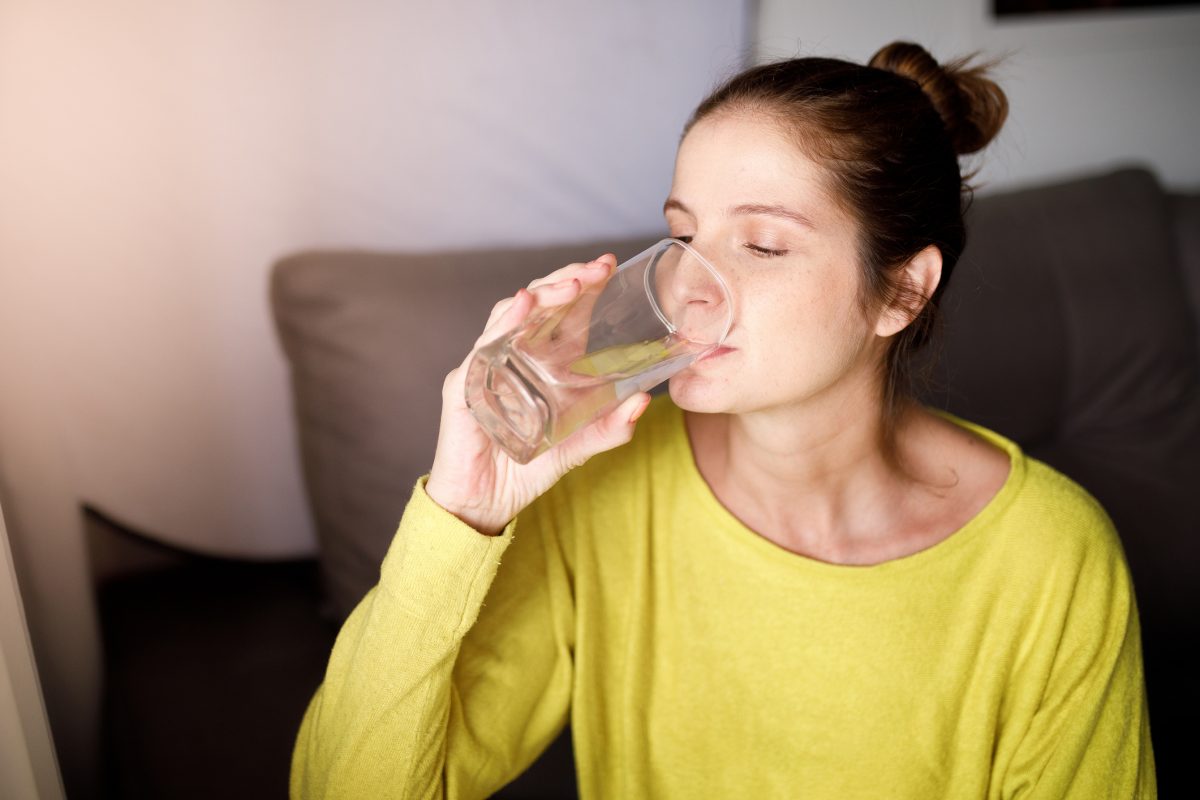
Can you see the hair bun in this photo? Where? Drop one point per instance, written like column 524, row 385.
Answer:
column 972, row 107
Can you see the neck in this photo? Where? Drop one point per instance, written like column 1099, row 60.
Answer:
column 814, row 477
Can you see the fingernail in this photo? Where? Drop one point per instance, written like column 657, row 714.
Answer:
column 640, row 410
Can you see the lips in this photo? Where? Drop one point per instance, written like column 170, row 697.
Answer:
column 720, row 351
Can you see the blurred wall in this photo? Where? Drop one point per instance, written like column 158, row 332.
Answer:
column 1087, row 90
column 156, row 158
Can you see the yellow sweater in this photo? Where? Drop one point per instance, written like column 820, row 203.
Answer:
column 697, row 659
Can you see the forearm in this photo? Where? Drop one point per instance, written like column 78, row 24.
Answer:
column 377, row 725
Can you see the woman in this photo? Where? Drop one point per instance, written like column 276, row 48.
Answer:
column 795, row 581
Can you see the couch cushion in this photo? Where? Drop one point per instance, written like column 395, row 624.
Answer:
column 370, row 338
column 208, row 668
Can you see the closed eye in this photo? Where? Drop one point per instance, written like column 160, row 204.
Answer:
column 764, row 252
column 761, row 252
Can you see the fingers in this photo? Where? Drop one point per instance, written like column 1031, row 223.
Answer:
column 558, row 288
column 559, row 293
column 511, row 312
column 591, row 272
column 506, row 315
column 612, row 430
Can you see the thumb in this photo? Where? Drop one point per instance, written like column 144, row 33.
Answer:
column 612, row 430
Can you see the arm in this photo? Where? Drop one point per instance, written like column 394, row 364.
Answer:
column 1090, row 737
column 425, row 696
column 422, row 700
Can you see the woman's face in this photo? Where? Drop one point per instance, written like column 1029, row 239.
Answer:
column 747, row 198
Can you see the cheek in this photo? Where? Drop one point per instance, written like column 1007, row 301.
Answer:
column 810, row 319
column 829, row 299
column 808, row 304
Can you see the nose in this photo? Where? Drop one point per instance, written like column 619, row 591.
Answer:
column 695, row 298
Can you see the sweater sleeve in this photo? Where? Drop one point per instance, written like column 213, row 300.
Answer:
column 1090, row 737
column 430, row 693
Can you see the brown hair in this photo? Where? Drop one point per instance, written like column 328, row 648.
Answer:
column 889, row 134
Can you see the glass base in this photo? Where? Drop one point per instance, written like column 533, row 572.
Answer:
column 507, row 403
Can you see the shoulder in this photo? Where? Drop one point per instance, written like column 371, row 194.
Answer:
column 1042, row 501
column 1054, row 495
column 1076, row 541
column 1047, row 521
column 1071, row 521
column 1047, row 546
column 1061, row 541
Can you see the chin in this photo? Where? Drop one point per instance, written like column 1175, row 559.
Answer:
column 698, row 393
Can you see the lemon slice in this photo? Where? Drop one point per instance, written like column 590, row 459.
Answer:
column 621, row 358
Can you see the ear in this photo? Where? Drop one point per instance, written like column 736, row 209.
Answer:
column 918, row 280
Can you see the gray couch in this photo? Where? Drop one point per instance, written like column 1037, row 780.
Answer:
column 1070, row 326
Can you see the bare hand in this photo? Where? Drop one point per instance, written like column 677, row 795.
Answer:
column 472, row 477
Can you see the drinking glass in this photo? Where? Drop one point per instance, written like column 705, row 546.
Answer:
column 566, row 366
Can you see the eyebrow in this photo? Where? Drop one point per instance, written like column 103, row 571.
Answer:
column 748, row 208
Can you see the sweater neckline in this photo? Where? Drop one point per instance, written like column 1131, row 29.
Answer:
column 737, row 531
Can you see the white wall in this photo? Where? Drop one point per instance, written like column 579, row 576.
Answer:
column 157, row 157
column 1087, row 91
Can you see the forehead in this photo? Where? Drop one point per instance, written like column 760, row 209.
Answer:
column 729, row 159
